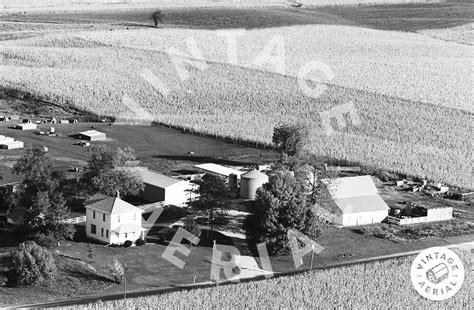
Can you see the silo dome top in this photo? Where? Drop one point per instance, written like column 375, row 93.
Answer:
column 253, row 174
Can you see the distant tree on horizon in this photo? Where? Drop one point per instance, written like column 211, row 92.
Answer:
column 157, row 17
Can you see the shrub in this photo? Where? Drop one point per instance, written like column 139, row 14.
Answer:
column 117, row 270
column 47, row 241
column 236, row 270
column 33, row 265
column 140, row 242
column 192, row 226
column 127, row 244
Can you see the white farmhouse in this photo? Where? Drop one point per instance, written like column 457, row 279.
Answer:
column 113, row 221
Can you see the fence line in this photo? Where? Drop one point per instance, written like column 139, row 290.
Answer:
column 407, row 221
column 75, row 220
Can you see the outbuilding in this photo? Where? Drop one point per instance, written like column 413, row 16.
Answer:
column 218, row 170
column 415, row 213
column 357, row 200
column 250, row 182
column 5, row 140
column 26, row 126
column 13, row 145
column 92, row 135
column 159, row 187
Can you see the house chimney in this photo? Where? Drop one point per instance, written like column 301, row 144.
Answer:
column 118, row 194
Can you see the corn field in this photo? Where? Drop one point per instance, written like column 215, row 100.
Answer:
column 412, row 93
column 380, row 285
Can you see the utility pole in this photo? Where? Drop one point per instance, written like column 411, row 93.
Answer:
column 125, row 280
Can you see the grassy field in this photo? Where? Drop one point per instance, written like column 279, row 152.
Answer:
column 414, row 107
column 405, row 17
column 162, row 149
column 372, row 285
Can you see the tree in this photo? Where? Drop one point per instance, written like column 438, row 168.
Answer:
column 105, row 172
column 290, row 139
column 117, row 270
column 33, row 265
column 38, row 175
column 213, row 196
column 157, row 17
column 41, row 191
column 45, row 220
column 109, row 181
column 281, row 205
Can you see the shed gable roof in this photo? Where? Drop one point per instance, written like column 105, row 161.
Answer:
column 92, row 133
column 351, row 186
column 154, row 178
column 218, row 169
column 355, row 194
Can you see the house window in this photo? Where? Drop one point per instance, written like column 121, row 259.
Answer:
column 126, row 235
column 101, row 232
column 118, row 218
column 103, row 217
column 93, row 229
column 134, row 216
column 93, row 214
column 106, row 233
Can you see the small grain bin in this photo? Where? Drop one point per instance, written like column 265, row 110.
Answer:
column 233, row 181
column 250, row 182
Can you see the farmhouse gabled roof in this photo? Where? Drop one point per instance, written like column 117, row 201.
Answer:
column 218, row 169
column 113, row 205
column 355, row 194
column 154, row 178
column 95, row 198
